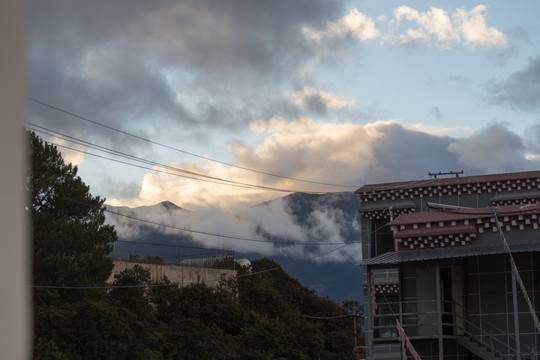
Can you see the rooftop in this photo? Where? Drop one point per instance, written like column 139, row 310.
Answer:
column 448, row 181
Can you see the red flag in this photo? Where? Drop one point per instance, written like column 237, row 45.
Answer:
column 403, row 338
column 405, row 343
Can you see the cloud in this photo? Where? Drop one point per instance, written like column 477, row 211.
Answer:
column 69, row 152
column 329, row 153
column 436, row 112
column 491, row 149
column 355, row 25
column 381, row 151
column 319, row 99
column 472, row 27
column 436, row 26
column 520, row 90
column 171, row 64
column 260, row 229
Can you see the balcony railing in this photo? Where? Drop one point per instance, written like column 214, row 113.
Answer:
column 434, row 322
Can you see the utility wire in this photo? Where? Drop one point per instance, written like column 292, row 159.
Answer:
column 176, row 285
column 170, row 245
column 201, row 232
column 180, row 150
column 331, row 317
column 295, row 262
column 226, row 236
column 190, row 174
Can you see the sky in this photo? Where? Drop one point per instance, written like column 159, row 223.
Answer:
column 304, row 95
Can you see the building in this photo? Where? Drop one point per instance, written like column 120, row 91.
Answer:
column 434, row 259
column 183, row 275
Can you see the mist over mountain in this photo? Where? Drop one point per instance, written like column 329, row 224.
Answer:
column 314, row 237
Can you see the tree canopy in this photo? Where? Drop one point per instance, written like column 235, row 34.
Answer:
column 71, row 241
column 261, row 314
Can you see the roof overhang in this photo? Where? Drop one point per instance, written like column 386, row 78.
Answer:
column 386, row 206
column 486, row 245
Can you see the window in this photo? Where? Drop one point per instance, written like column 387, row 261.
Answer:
column 383, row 238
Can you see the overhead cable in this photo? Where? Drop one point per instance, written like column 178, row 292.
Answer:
column 227, row 236
column 180, row 150
column 180, row 172
column 176, row 285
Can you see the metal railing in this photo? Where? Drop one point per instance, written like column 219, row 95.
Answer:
column 459, row 322
column 483, row 333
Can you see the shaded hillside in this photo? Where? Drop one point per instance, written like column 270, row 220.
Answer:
column 311, row 218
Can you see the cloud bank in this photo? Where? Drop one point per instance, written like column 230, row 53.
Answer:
column 446, row 30
column 341, row 154
column 355, row 24
column 436, row 26
column 520, row 90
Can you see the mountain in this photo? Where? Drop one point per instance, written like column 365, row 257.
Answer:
column 339, row 280
column 314, row 237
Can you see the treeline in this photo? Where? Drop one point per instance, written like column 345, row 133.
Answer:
column 258, row 316
column 261, row 314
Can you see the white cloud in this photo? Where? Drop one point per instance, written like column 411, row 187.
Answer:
column 434, row 24
column 355, row 24
column 473, row 28
column 345, row 153
column 429, row 129
column 446, row 30
column 326, row 98
column 74, row 157
column 380, row 151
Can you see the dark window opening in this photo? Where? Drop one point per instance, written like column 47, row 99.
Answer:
column 447, row 298
column 383, row 238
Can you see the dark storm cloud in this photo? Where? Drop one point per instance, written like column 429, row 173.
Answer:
column 494, row 148
column 404, row 154
column 126, row 62
column 520, row 90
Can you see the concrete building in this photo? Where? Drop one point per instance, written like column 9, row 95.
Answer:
column 434, row 260
column 183, row 275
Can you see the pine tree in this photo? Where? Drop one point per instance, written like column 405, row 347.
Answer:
column 71, row 242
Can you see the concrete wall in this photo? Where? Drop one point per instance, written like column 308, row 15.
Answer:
column 181, row 274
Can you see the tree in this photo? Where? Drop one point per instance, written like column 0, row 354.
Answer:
column 129, row 290
column 71, row 242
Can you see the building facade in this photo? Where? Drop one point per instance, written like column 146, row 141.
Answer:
column 434, row 260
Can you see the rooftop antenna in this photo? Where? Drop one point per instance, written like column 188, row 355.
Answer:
column 456, row 173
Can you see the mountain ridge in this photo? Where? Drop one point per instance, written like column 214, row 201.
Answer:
column 311, row 218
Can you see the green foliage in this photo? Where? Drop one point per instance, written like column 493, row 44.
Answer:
column 262, row 314
column 284, row 303
column 129, row 292
column 70, row 239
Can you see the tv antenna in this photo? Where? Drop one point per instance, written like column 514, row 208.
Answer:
column 455, row 173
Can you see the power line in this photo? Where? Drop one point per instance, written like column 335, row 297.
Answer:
column 201, row 232
column 176, row 285
column 227, row 236
column 331, row 317
column 296, row 262
column 180, row 150
column 191, row 175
